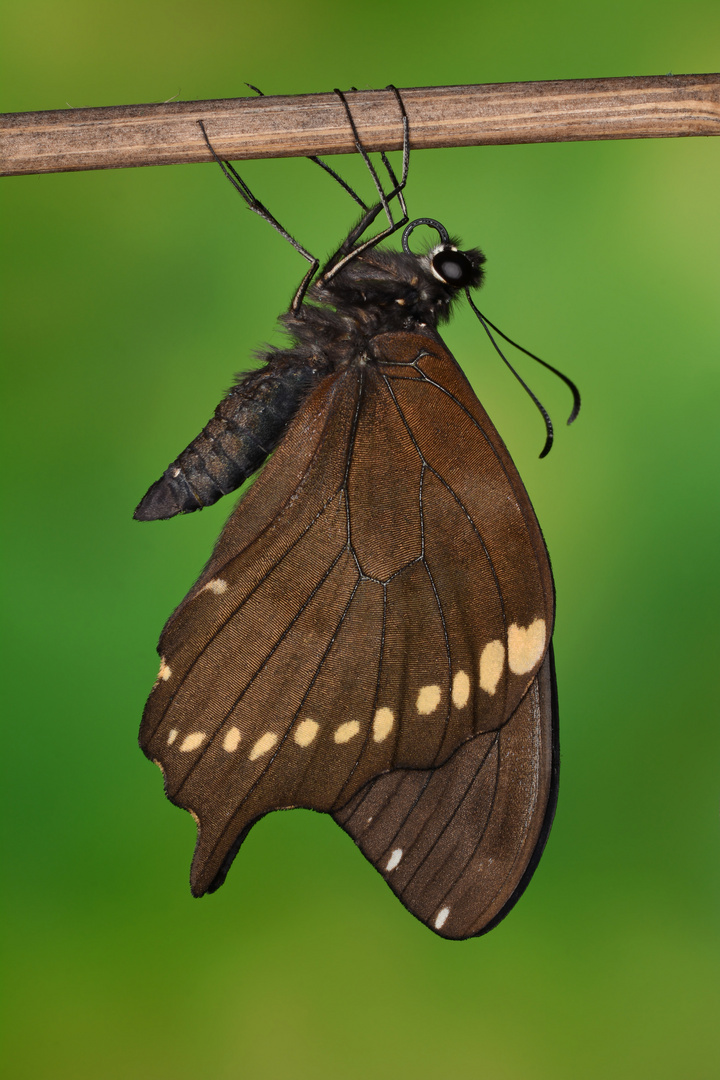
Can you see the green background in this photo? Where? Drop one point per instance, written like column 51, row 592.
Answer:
column 130, row 298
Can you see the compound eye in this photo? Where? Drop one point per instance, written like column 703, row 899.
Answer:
column 452, row 267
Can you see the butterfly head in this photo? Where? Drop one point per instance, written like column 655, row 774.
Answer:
column 454, row 268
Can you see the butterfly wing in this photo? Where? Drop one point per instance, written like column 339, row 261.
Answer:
column 459, row 843
column 380, row 601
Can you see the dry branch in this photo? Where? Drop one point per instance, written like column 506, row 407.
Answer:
column 560, row 111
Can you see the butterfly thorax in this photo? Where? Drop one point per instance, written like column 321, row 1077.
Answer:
column 388, row 291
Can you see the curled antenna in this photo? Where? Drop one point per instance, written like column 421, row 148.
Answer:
column 409, row 229
column 539, row 405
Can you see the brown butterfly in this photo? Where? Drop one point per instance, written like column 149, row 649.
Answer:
column 372, row 635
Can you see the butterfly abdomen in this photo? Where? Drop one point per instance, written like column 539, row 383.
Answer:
column 247, row 426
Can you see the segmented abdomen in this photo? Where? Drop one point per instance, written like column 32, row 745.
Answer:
column 246, row 427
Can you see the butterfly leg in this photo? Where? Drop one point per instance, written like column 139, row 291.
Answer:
column 350, row 249
column 323, row 165
column 397, row 188
column 384, row 199
column 257, row 207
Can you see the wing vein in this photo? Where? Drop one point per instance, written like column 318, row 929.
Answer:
column 454, row 814
column 282, row 741
column 430, row 775
column 447, row 652
column 375, row 698
column 221, row 626
column 518, row 846
column 257, row 672
column 494, row 450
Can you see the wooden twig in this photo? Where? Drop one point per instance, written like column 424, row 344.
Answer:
column 579, row 109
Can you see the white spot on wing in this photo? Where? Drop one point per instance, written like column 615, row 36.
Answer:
column 232, row 740
column 164, row 673
column 461, row 689
column 172, row 736
column 428, row 700
column 217, row 586
column 192, row 741
column 264, row 743
column 441, row 917
column 305, row 732
column 492, row 660
column 347, row 731
column 382, row 724
column 394, row 859
column 526, row 646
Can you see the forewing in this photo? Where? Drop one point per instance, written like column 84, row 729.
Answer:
column 380, row 598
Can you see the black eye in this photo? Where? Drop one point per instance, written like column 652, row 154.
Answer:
column 453, row 267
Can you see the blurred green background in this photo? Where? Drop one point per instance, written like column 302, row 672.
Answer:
column 130, row 299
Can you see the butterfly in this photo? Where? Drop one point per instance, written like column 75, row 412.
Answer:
column 371, row 637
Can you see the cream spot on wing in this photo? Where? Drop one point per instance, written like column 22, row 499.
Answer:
column 305, row 732
column 193, row 740
column 232, row 740
column 492, row 659
column 264, row 743
column 441, row 917
column 172, row 736
column 394, row 859
column 461, row 690
column 382, row 724
column 217, row 585
column 164, row 673
column 526, row 646
column 428, row 700
column 195, row 818
column 176, row 471
column 159, row 765
column 347, row 731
